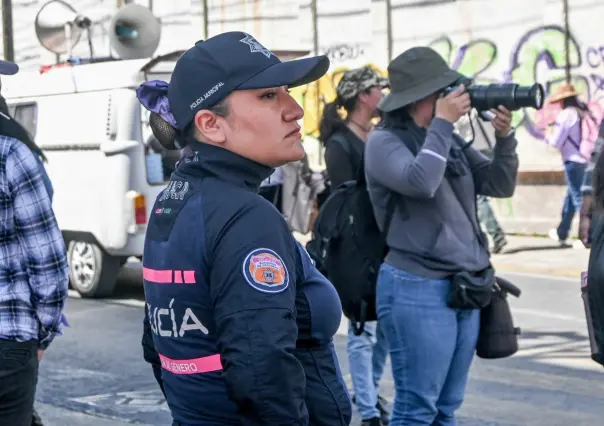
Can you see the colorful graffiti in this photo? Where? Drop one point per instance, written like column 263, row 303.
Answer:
column 537, row 56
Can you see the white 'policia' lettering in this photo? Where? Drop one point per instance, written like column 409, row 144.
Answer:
column 206, row 95
column 175, row 190
column 158, row 318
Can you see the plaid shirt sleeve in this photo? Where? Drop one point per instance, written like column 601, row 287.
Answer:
column 41, row 241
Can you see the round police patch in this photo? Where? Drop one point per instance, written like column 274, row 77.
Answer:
column 265, row 271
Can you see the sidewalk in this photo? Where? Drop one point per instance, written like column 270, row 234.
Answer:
column 534, row 255
column 542, row 256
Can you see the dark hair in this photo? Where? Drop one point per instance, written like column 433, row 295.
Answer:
column 11, row 128
column 397, row 117
column 573, row 101
column 167, row 135
column 331, row 122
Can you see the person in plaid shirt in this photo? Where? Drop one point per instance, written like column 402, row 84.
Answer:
column 33, row 274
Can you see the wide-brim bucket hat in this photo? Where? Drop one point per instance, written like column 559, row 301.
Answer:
column 414, row 74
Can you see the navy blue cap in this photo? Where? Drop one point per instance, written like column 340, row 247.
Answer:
column 212, row 69
column 8, row 68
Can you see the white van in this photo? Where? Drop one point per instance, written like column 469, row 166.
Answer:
column 88, row 122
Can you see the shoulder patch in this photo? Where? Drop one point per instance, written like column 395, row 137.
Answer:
column 265, row 271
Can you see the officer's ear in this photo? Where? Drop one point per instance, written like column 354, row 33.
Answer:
column 209, row 127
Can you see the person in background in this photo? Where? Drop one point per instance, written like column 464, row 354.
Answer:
column 486, row 216
column 567, row 136
column 33, row 269
column 587, row 191
column 10, row 127
column 271, row 188
column 416, row 160
column 358, row 93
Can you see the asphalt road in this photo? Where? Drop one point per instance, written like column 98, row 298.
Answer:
column 94, row 375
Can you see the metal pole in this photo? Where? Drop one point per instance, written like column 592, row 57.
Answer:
column 206, row 26
column 315, row 26
column 151, row 5
column 567, row 40
column 389, row 28
column 7, row 26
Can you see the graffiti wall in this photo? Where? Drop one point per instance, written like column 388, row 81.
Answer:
column 513, row 49
column 516, row 41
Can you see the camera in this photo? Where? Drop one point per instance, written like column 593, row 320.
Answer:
column 510, row 95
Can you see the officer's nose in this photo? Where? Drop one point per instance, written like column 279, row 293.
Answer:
column 292, row 111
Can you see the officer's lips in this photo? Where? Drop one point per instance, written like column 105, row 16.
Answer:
column 294, row 133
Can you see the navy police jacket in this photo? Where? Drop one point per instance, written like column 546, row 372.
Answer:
column 241, row 320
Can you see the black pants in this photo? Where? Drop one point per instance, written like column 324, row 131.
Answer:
column 18, row 380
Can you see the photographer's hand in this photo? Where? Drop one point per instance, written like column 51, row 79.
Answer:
column 502, row 121
column 453, row 106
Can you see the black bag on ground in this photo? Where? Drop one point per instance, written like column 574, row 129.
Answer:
column 498, row 337
column 348, row 248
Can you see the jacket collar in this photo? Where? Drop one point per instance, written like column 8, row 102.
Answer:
column 211, row 160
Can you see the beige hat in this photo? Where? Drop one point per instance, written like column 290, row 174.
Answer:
column 565, row 90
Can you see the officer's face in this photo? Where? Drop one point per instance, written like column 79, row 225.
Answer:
column 262, row 125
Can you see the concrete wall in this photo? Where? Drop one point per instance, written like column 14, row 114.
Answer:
column 491, row 40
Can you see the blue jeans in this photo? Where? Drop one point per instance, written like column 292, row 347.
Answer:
column 367, row 356
column 575, row 173
column 431, row 346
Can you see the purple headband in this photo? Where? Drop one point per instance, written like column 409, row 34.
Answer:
column 153, row 95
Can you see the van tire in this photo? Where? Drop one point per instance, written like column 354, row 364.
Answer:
column 92, row 272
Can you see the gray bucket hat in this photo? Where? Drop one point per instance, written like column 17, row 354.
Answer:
column 414, row 74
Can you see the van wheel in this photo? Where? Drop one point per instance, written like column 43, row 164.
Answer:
column 92, row 272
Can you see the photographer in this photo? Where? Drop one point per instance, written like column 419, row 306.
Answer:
column 434, row 237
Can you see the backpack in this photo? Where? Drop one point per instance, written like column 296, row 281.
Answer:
column 348, row 248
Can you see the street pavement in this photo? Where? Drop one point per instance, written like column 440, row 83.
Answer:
column 94, row 375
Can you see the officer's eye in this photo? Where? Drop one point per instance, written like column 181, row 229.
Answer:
column 268, row 95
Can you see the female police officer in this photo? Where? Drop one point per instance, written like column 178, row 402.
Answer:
column 241, row 320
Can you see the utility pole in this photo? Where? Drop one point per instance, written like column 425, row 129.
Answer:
column 389, row 28
column 567, row 40
column 7, row 26
column 315, row 26
column 206, row 25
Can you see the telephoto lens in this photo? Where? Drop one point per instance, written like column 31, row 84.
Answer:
column 511, row 96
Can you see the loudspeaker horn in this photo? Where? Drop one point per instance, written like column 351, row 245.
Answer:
column 134, row 32
column 59, row 27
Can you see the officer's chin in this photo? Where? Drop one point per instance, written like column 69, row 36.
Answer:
column 294, row 152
